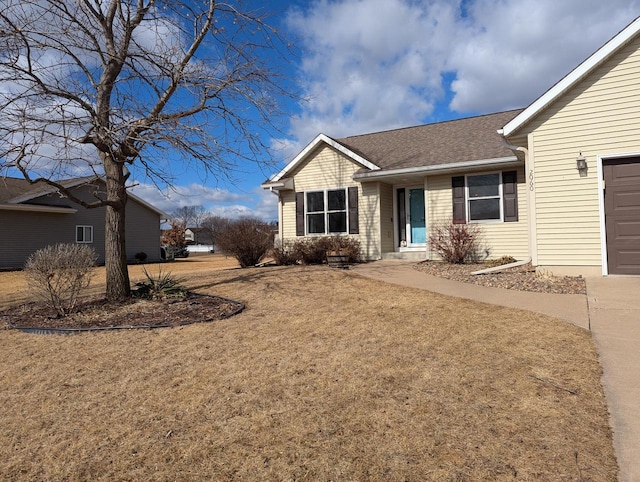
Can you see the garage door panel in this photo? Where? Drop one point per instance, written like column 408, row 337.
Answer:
column 627, row 201
column 622, row 215
column 627, row 229
column 626, row 172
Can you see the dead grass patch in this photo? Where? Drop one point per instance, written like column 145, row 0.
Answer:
column 325, row 376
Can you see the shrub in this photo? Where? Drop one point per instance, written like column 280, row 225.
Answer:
column 456, row 243
column 284, row 253
column 141, row 257
column 160, row 287
column 246, row 239
column 314, row 250
column 58, row 273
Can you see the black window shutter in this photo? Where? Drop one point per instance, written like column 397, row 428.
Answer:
column 299, row 214
column 459, row 205
column 510, row 195
column 353, row 211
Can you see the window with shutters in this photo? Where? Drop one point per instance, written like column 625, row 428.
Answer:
column 326, row 212
column 487, row 197
column 484, row 197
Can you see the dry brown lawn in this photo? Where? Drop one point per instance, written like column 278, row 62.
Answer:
column 325, row 376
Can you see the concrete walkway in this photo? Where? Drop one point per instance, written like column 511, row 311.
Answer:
column 611, row 310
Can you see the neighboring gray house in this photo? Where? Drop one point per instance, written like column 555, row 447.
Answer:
column 33, row 216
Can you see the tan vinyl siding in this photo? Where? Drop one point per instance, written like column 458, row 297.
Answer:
column 369, row 217
column 499, row 238
column 386, row 218
column 598, row 117
column 327, row 168
column 288, row 209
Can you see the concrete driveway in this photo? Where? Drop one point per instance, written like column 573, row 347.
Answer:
column 614, row 316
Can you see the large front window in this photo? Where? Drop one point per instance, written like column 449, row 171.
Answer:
column 484, row 197
column 326, row 211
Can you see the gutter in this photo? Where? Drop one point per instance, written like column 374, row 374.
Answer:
column 439, row 168
column 37, row 208
column 530, row 201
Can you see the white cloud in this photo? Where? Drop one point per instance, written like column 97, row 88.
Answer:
column 372, row 65
column 221, row 202
column 514, row 51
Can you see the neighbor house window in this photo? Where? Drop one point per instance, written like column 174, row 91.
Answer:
column 84, row 234
column 326, row 211
column 485, row 197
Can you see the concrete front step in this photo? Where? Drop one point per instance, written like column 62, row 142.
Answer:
column 407, row 255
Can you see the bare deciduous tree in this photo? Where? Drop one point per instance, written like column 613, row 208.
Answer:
column 118, row 86
column 190, row 216
column 215, row 226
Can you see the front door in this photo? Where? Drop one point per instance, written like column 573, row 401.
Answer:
column 622, row 214
column 417, row 224
column 411, row 225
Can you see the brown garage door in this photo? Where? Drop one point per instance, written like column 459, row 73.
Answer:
column 622, row 214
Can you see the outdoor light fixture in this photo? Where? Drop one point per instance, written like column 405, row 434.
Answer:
column 581, row 165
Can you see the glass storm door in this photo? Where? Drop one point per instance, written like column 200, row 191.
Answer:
column 418, row 226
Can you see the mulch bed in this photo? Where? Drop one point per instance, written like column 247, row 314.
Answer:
column 135, row 313
column 522, row 278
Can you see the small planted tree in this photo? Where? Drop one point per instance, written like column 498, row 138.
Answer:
column 246, row 239
column 174, row 236
column 456, row 243
column 57, row 274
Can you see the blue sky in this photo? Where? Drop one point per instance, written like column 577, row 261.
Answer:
column 371, row 65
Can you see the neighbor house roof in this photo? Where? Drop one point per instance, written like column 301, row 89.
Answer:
column 571, row 79
column 17, row 190
column 15, row 193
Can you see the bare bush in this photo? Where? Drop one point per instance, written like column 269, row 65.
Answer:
column 456, row 243
column 284, row 253
column 246, row 239
column 58, row 273
column 314, row 250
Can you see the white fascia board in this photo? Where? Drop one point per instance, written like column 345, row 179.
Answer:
column 327, row 140
column 271, row 185
column 37, row 208
column 441, row 168
column 573, row 77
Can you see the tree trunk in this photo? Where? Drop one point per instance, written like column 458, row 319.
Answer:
column 118, row 285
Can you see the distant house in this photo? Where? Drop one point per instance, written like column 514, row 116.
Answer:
column 198, row 236
column 557, row 183
column 33, row 216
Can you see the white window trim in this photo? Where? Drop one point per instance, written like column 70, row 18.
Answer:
column 326, row 211
column 85, row 228
column 468, row 199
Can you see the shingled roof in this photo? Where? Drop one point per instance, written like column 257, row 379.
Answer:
column 15, row 190
column 461, row 140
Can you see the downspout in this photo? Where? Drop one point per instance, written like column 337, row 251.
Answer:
column 530, row 217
